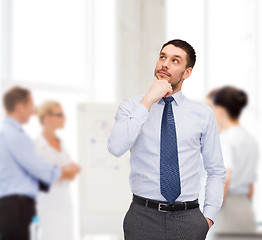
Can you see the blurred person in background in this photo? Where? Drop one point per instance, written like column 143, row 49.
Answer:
column 55, row 208
column 210, row 96
column 21, row 168
column 240, row 154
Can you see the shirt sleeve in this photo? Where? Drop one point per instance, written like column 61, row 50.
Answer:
column 214, row 166
column 129, row 120
column 23, row 150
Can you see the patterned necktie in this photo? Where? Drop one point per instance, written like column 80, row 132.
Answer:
column 169, row 168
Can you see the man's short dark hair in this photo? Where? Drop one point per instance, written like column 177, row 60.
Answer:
column 14, row 96
column 191, row 54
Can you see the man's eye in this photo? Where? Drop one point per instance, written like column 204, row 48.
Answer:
column 162, row 57
column 175, row 61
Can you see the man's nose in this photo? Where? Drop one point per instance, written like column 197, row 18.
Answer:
column 165, row 64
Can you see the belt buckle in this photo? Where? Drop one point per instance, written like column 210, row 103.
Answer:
column 160, row 205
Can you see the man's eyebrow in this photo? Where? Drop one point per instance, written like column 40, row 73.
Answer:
column 176, row 56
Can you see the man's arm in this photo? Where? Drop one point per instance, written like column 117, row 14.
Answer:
column 216, row 172
column 130, row 118
column 251, row 191
column 69, row 171
column 23, row 151
column 227, row 183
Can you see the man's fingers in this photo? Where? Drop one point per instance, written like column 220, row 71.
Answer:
column 155, row 79
column 168, row 95
column 158, row 79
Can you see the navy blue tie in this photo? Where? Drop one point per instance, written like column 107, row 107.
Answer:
column 169, row 168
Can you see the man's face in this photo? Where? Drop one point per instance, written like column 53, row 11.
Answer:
column 171, row 66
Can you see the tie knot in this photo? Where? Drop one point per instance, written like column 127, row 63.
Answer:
column 168, row 99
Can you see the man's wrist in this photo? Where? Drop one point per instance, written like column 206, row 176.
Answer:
column 147, row 102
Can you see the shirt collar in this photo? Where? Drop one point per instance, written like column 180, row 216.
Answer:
column 13, row 122
column 177, row 98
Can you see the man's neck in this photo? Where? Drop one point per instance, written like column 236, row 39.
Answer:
column 16, row 117
column 176, row 91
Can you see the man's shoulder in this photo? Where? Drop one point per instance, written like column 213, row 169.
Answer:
column 133, row 101
column 197, row 105
column 8, row 129
column 11, row 133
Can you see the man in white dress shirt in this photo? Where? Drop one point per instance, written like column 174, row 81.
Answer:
column 138, row 128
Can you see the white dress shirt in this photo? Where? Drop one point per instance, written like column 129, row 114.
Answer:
column 55, row 207
column 240, row 153
column 138, row 130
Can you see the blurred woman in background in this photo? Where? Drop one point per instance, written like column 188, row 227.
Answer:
column 55, row 207
column 240, row 153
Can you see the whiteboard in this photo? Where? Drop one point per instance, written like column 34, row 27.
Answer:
column 105, row 193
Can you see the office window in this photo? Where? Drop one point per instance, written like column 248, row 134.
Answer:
column 186, row 20
column 1, row 39
column 102, row 49
column 48, row 42
column 232, row 46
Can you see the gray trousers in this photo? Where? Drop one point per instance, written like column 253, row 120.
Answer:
column 141, row 223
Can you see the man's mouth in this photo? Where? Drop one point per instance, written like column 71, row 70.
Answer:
column 164, row 73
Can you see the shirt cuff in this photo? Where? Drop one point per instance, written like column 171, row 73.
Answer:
column 56, row 174
column 210, row 212
column 140, row 113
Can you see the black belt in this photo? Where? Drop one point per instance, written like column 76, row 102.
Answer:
column 18, row 197
column 165, row 206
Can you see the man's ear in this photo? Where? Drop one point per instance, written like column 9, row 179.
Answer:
column 188, row 72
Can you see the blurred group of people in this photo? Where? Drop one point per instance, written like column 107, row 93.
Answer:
column 34, row 175
column 39, row 172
